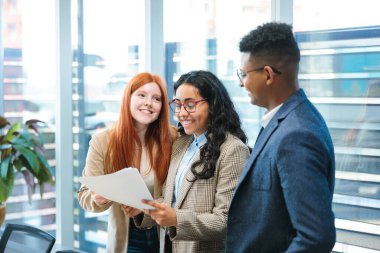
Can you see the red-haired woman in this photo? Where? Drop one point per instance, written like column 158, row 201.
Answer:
column 142, row 138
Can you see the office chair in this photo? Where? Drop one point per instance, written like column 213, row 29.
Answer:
column 70, row 251
column 19, row 238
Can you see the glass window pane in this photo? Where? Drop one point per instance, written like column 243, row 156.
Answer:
column 206, row 36
column 322, row 14
column 107, row 53
column 29, row 87
column 340, row 71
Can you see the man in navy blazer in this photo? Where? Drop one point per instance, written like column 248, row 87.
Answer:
column 283, row 202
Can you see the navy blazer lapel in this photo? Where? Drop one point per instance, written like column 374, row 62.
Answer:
column 260, row 144
column 288, row 106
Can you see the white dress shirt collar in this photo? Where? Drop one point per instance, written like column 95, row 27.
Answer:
column 269, row 115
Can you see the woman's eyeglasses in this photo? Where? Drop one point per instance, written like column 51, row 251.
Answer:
column 190, row 106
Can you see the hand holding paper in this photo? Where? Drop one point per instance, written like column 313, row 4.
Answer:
column 125, row 186
column 100, row 200
column 162, row 213
column 130, row 211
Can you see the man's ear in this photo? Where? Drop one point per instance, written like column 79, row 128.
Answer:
column 269, row 74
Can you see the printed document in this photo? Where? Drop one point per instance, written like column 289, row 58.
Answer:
column 125, row 186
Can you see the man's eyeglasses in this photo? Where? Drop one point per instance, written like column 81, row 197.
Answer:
column 242, row 74
column 189, row 106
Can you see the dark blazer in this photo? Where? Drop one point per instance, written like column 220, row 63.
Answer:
column 283, row 201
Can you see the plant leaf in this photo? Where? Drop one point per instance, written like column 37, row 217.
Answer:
column 33, row 124
column 44, row 161
column 5, row 167
column 3, row 122
column 13, row 130
column 18, row 164
column 5, row 146
column 42, row 189
column 22, row 150
column 6, row 186
column 49, row 176
column 28, row 139
column 31, row 185
column 30, row 157
column 22, row 141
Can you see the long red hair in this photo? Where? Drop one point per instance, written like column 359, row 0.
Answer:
column 124, row 149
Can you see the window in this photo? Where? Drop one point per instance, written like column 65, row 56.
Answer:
column 208, row 39
column 28, row 89
column 107, row 53
column 340, row 72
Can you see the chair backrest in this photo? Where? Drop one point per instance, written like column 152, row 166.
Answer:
column 24, row 238
column 70, row 251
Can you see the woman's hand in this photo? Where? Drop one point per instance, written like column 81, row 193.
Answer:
column 130, row 211
column 163, row 214
column 99, row 199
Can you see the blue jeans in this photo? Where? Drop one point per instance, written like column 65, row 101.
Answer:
column 143, row 241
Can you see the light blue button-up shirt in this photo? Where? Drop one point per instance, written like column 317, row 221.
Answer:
column 187, row 162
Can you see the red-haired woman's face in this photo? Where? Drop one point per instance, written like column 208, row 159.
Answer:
column 146, row 104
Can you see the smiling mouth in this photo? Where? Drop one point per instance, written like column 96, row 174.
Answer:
column 145, row 111
column 186, row 122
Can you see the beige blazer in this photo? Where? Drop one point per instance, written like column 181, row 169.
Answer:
column 202, row 206
column 118, row 222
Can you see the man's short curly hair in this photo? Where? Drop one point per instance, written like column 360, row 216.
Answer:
column 271, row 40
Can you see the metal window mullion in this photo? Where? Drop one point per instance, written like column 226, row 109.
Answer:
column 63, row 135
column 154, row 48
column 1, row 60
column 282, row 11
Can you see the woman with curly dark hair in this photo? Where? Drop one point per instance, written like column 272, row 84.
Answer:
column 204, row 169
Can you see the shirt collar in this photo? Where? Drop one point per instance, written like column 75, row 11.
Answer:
column 269, row 115
column 200, row 140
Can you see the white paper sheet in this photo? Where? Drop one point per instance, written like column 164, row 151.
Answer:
column 125, row 186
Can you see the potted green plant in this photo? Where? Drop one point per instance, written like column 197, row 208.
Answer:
column 22, row 151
